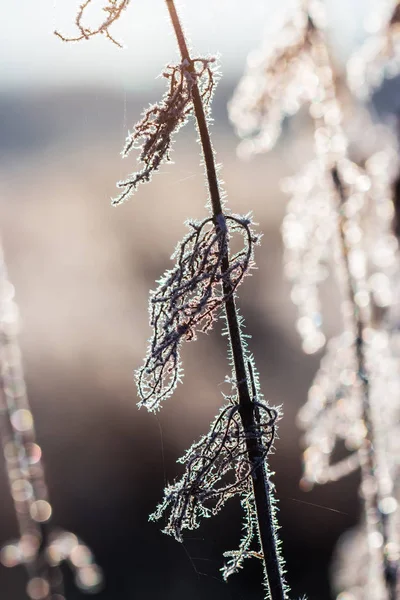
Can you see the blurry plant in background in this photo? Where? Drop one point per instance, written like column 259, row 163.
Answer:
column 40, row 548
column 341, row 214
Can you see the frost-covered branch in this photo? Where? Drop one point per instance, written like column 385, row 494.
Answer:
column 113, row 10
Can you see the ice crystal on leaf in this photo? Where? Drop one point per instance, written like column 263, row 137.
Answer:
column 113, row 10
column 153, row 133
column 379, row 56
column 236, row 557
column 188, row 298
column 216, row 469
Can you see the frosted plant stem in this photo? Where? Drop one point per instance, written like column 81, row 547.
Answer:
column 376, row 520
column 40, row 547
column 22, row 454
column 260, row 476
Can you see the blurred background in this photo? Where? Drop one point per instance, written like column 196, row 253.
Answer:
column 82, row 271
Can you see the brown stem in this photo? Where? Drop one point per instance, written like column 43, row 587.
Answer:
column 260, row 476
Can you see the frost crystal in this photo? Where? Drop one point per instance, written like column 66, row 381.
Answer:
column 216, row 469
column 113, row 10
column 188, row 298
column 153, row 134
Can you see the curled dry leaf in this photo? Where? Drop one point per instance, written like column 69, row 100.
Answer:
column 153, row 133
column 217, row 467
column 188, row 298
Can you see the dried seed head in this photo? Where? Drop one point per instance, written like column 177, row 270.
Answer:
column 113, row 10
column 153, row 133
column 188, row 298
column 216, row 469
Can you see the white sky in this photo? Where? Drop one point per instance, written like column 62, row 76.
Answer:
column 30, row 55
